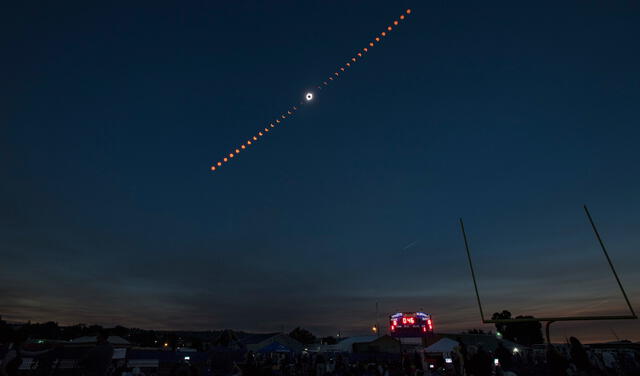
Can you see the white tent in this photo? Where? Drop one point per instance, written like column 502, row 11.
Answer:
column 346, row 345
column 114, row 340
column 445, row 345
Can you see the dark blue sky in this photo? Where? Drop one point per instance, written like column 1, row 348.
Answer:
column 509, row 115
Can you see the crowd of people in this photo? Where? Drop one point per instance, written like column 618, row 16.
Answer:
column 572, row 359
column 98, row 361
column 321, row 365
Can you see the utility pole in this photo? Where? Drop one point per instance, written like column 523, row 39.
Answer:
column 377, row 323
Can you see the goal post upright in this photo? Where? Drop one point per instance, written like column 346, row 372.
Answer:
column 549, row 320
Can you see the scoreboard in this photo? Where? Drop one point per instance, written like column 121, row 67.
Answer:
column 410, row 324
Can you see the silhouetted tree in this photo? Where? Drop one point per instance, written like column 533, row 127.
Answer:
column 302, row 335
column 120, row 331
column 93, row 330
column 197, row 344
column 500, row 327
column 48, row 330
column 6, row 332
column 227, row 338
column 172, row 338
column 329, row 340
column 74, row 331
column 526, row 333
column 147, row 338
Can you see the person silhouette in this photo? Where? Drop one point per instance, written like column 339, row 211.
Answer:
column 98, row 360
column 557, row 363
column 579, row 356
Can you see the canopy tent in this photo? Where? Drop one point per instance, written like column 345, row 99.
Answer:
column 445, row 345
column 275, row 347
column 114, row 340
column 346, row 345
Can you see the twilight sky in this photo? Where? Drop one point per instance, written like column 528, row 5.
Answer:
column 509, row 115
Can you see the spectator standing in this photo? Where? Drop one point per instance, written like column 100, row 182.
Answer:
column 579, row 357
column 98, row 360
column 482, row 363
column 505, row 357
column 556, row 362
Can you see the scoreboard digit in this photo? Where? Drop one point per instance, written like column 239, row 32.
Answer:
column 410, row 324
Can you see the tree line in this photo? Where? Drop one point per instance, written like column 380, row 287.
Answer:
column 525, row 333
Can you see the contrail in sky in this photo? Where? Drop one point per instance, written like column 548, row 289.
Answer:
column 409, row 245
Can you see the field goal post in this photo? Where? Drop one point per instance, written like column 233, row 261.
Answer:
column 549, row 320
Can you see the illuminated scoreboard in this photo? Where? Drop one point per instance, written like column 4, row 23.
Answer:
column 410, row 324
